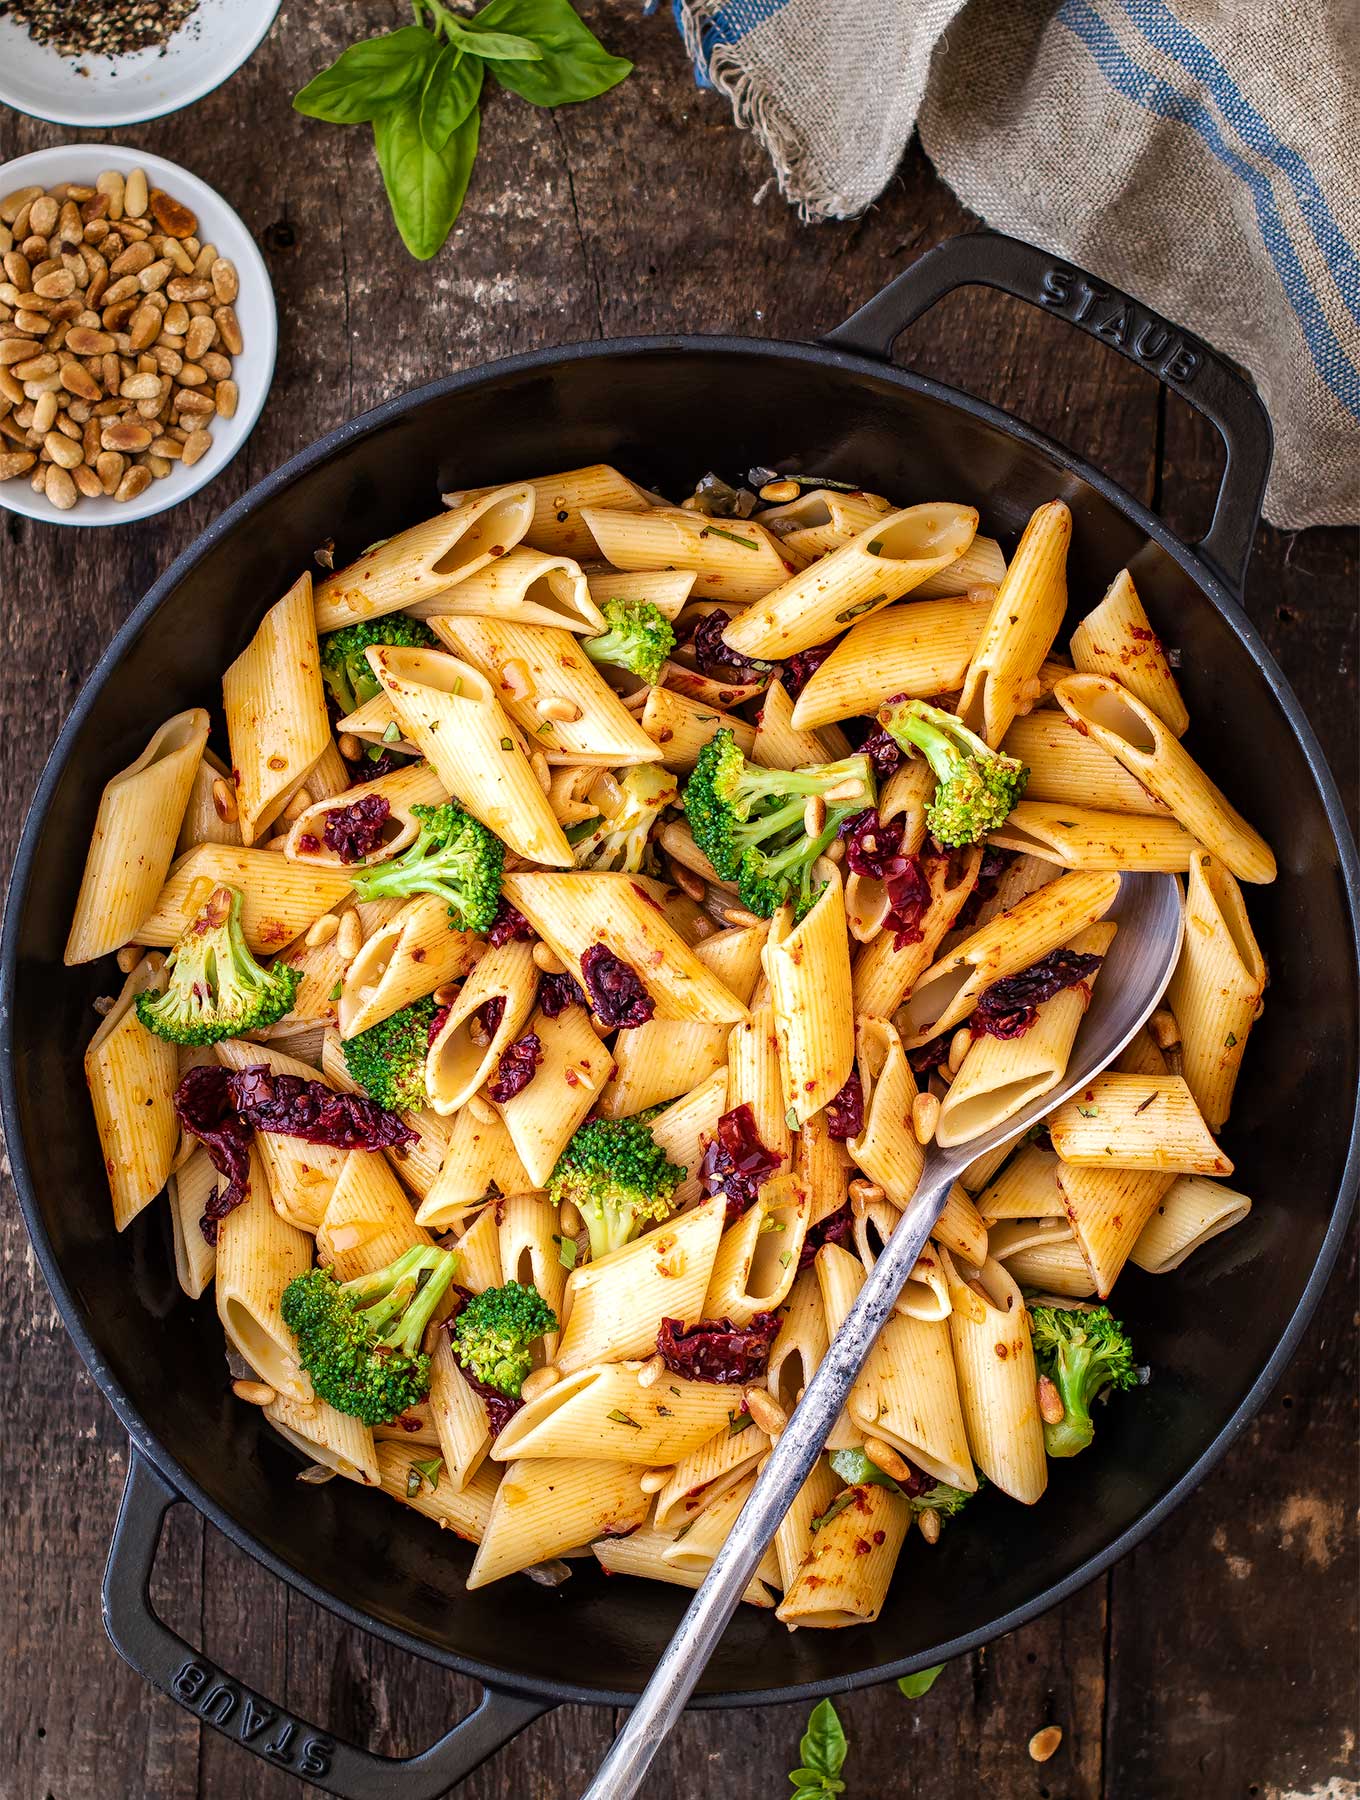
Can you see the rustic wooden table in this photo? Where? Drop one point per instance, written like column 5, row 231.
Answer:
column 1217, row 1660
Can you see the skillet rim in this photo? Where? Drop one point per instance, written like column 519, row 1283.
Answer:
column 1209, row 584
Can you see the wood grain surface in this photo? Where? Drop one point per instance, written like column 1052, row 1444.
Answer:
column 1219, row 1659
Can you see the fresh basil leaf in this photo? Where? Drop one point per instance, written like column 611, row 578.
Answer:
column 823, row 1746
column 808, row 1781
column 855, row 1468
column 451, row 91
column 425, row 189
column 368, row 77
column 495, row 46
column 575, row 64
column 913, row 1686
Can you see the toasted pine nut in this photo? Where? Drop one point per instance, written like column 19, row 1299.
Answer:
column 128, row 958
column 835, row 850
column 224, row 801
column 738, row 915
column 925, row 1116
column 777, row 492
column 1045, row 1743
column 446, row 995
column 576, row 1076
column 1051, row 1409
column 217, row 907
column 958, row 1048
column 349, row 939
column 553, row 706
column 538, row 1381
column 686, row 880
column 349, row 746
column 258, row 1393
column 884, row 1457
column 298, row 805
column 569, row 1217
column 544, row 959
column 929, row 1522
column 863, row 1195
column 651, row 1481
column 651, row 1371
column 814, row 815
column 850, row 789
column 482, row 1110
column 1166, row 1033
column 538, row 762
column 321, row 931
column 768, row 1414
column 515, row 678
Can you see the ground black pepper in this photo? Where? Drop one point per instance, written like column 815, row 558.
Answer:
column 98, row 27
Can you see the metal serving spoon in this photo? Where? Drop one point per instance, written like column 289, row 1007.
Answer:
column 1149, row 912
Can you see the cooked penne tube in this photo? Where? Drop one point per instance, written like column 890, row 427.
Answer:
column 557, row 525
column 925, row 1293
column 982, row 565
column 1079, row 837
column 132, row 1077
column 801, row 1341
column 1190, row 1213
column 426, row 560
column 416, row 1164
column 695, row 1548
column 415, row 785
column 998, row 1382
column 1108, row 1208
column 709, row 1472
column 1129, row 729
column 757, row 1258
column 948, row 991
column 465, row 1511
column 368, row 1221
column 416, row 951
column 680, row 727
column 844, row 1578
column 451, row 713
column 458, row 1414
column 1215, row 992
column 1068, row 766
column 325, row 1436
column 920, row 649
column 468, row 1047
column 823, row 1166
column 890, row 964
column 1027, row 1188
column 808, row 966
column 479, row 1152
column 999, row 1076
column 641, row 1553
column 686, row 1127
column 1136, row 1122
column 1043, row 1254
column 574, row 1065
column 1117, row 639
column 275, row 704
column 552, row 691
column 479, row 1252
column 1021, row 626
column 908, row 1395
column 134, row 837
column 667, row 590
column 279, row 898
column 575, row 913
column 301, row 1176
column 524, row 587
column 203, row 822
column 602, row 1411
column 888, row 559
column 611, row 1307
column 780, row 745
column 258, row 1254
column 794, row 1537
column 190, row 1187
column 530, row 1254
column 822, row 519
column 735, row 560
column 376, row 723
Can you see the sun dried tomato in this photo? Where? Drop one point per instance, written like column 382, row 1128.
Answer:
column 835, row 1228
column 508, row 925
column 310, row 1110
column 355, row 832
column 617, row 995
column 716, row 1349
column 517, row 1067
column 557, row 992
column 736, row 1163
column 845, row 1112
column 802, row 666
column 204, row 1108
column 1010, row 1006
column 718, row 660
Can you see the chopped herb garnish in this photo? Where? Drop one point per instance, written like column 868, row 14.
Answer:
column 545, row 729
column 731, row 536
column 913, row 1686
column 838, row 1505
column 791, row 1119
column 1143, row 1105
column 336, row 991
column 785, row 1258
column 665, row 1412
column 393, row 733
column 373, row 752
column 864, row 606
column 1230, row 1042
column 507, row 743
column 423, row 1471
column 1089, row 1112
column 566, row 1251
column 622, row 1418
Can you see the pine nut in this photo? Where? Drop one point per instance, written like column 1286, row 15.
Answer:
column 1045, row 1743
column 687, row 881
column 482, row 1110
column 554, row 706
column 545, row 960
column 349, row 937
column 929, row 1523
column 768, row 1414
column 1166, row 1033
column 884, row 1457
column 446, row 995
column 224, row 800
column 925, row 1116
column 738, row 915
column 538, row 762
column 851, row 789
column 128, row 958
column 349, row 746
column 576, row 1076
column 135, row 194
column 1051, row 1409
column 651, row 1481
column 814, row 816
column 569, row 1218
column 321, row 931
column 863, row 1195
column 538, row 1381
column 777, row 492
column 515, row 678
column 651, row 1371
column 298, row 805
column 958, row 1048
column 257, row 1393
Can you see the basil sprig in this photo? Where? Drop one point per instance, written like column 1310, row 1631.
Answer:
column 420, row 88
column 823, row 1756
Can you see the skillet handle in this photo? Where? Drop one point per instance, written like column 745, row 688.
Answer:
column 1211, row 383
column 163, row 1658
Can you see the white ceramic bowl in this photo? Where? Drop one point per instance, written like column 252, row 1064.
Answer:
column 253, row 369
column 212, row 43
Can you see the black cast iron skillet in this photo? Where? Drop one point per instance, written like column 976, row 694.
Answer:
column 666, row 409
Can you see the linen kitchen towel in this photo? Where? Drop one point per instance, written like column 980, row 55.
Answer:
column 1202, row 154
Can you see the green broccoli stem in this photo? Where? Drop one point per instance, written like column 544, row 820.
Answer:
column 1070, row 1436
column 1072, row 1376
column 757, row 782
column 768, row 825
column 942, row 739
column 395, row 1306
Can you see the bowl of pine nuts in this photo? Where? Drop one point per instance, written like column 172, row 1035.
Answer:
column 137, row 335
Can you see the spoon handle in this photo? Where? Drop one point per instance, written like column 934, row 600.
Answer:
column 786, row 1468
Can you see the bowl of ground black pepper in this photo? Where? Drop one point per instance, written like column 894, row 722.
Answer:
column 117, row 62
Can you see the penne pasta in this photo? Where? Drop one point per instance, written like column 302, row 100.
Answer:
column 888, row 967
column 794, row 1538
column 822, row 519
column 1117, row 640
column 574, row 1066
column 530, row 1244
column 327, row 1437
column 524, row 587
column 925, row 1292
column 709, row 1472
column 735, row 560
column 301, row 1176
column 1108, row 1208
column 189, row 1188
column 908, row 1395
column 401, row 791
column 556, row 524
column 668, row 590
column 480, row 1156
column 757, row 1258
column 982, row 565
column 843, row 1580
column 280, row 899
column 602, row 1410
column 1021, row 626
column 694, row 1548
column 779, row 744
column 1079, row 837
column 275, row 703
column 1068, row 766
column 465, row 1511
column 203, row 822
column 414, row 952
column 1191, row 1212
column 642, row 1553
column 994, row 1357
column 1042, row 1254
column 1136, row 1122
column 680, row 727
column 904, row 796
column 469, row 1045
column 368, row 1221
column 920, row 649
column 458, row 1415
column 808, row 967
column 686, row 1127
column 479, row 1251
column 1217, row 988
column 258, row 1254
column 132, row 1077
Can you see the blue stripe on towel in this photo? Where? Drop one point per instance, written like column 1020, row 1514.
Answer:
column 728, row 24
column 1165, row 32
column 1149, row 91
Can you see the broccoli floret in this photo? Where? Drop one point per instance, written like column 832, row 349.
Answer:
column 216, row 988
column 855, row 1468
column 1082, row 1354
column 618, row 1177
column 620, row 840
column 344, row 667
column 639, row 638
column 360, row 1340
column 941, row 1499
column 454, row 856
column 495, row 1333
column 388, row 1060
column 749, row 821
column 977, row 786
